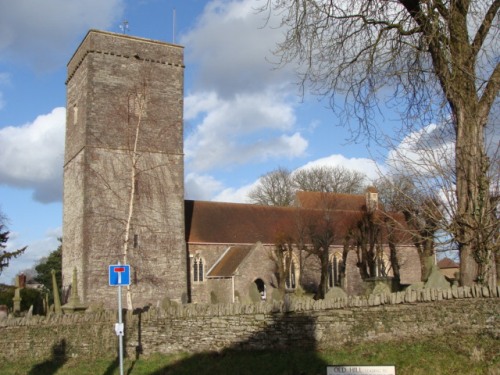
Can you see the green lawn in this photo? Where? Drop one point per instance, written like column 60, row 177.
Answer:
column 440, row 355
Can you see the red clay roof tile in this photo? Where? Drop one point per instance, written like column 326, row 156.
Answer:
column 237, row 223
column 333, row 201
column 447, row 263
column 227, row 265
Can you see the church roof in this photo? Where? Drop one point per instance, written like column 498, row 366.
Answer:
column 334, row 201
column 447, row 263
column 237, row 223
column 227, row 265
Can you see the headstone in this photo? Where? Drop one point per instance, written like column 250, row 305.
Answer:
column 429, row 263
column 74, row 304
column 55, row 290
column 436, row 279
column 17, row 300
column 46, row 306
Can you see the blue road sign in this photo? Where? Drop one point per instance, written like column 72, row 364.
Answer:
column 119, row 275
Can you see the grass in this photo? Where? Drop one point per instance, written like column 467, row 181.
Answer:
column 473, row 354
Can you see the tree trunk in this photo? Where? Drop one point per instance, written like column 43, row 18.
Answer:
column 323, row 283
column 427, row 262
column 394, row 257
column 473, row 218
column 497, row 263
column 427, row 257
column 134, row 158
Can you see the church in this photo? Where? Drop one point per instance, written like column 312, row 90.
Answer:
column 124, row 201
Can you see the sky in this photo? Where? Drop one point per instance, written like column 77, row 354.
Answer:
column 243, row 116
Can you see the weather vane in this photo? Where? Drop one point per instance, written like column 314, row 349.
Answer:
column 124, row 27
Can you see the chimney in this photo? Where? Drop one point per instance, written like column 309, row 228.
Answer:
column 371, row 196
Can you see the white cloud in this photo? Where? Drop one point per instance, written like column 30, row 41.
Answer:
column 199, row 103
column 245, row 113
column 367, row 166
column 201, row 187
column 247, row 128
column 207, row 188
column 241, row 110
column 41, row 33
column 232, row 47
column 427, row 152
column 236, row 195
column 32, row 155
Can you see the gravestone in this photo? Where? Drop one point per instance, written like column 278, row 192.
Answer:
column 436, row 279
column 74, row 304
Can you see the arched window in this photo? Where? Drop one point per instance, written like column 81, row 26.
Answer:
column 198, row 268
column 261, row 287
column 383, row 265
column 291, row 272
column 334, row 270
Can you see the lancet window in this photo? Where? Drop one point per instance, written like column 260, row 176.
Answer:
column 291, row 272
column 334, row 270
column 198, row 270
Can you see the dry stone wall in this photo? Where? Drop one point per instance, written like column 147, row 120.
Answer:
column 293, row 323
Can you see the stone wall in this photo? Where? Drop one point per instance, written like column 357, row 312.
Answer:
column 259, row 265
column 297, row 323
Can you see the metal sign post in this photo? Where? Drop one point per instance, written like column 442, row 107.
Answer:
column 119, row 275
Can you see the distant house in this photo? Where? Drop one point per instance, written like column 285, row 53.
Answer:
column 449, row 268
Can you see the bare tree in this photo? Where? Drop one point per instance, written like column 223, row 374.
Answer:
column 368, row 243
column 368, row 236
column 320, row 234
column 317, row 229
column 275, row 188
column 421, row 183
column 278, row 187
column 329, row 180
column 440, row 61
column 136, row 107
column 423, row 212
column 282, row 255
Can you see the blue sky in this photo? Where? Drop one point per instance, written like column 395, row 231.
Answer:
column 243, row 117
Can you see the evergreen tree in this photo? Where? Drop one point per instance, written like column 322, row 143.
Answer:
column 7, row 256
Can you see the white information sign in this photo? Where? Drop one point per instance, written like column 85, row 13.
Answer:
column 360, row 370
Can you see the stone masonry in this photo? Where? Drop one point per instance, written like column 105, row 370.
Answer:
column 124, row 94
column 298, row 323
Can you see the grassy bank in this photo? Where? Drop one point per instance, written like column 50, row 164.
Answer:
column 437, row 355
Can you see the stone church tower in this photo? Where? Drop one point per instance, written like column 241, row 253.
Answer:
column 123, row 169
